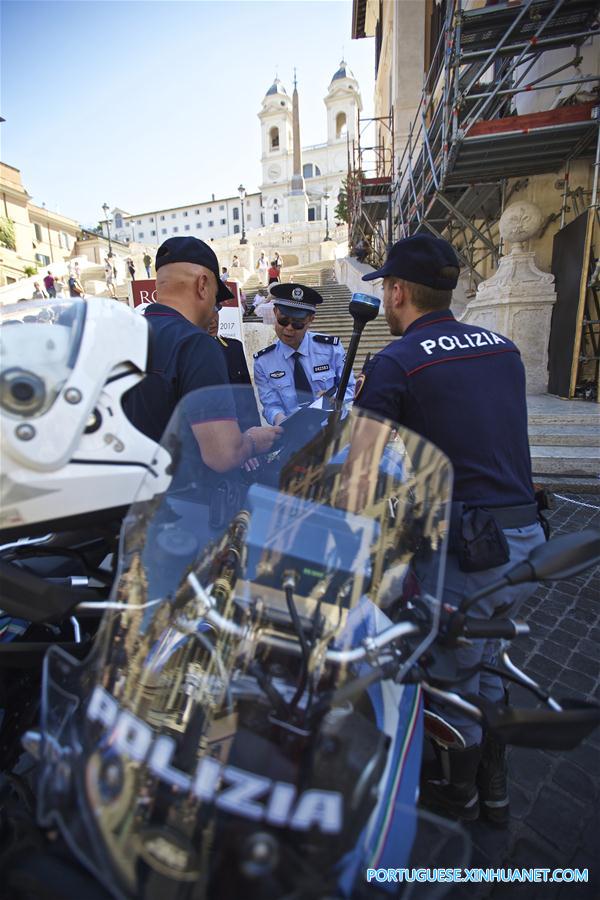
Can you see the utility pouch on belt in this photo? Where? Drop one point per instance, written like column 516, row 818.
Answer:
column 479, row 542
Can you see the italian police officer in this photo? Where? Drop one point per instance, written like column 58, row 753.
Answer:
column 184, row 357
column 463, row 388
column 301, row 363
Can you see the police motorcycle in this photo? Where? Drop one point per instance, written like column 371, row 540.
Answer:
column 249, row 719
column 71, row 465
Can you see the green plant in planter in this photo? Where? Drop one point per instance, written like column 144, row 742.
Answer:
column 30, row 270
column 7, row 233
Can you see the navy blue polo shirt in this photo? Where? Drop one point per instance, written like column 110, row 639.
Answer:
column 463, row 388
column 183, row 358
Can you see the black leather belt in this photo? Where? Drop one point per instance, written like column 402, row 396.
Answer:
column 506, row 516
column 515, row 516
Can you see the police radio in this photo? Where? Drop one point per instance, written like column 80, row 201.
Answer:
column 362, row 308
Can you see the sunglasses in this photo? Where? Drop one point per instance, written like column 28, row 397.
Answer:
column 284, row 321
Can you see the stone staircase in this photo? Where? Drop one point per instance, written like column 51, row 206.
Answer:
column 565, row 443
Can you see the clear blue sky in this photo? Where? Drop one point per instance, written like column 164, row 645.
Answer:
column 146, row 105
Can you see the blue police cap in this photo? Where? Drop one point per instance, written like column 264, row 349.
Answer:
column 295, row 299
column 192, row 250
column 420, row 259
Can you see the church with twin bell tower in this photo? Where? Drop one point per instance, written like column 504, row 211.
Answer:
column 298, row 182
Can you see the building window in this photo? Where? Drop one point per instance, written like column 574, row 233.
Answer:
column 38, row 231
column 162, row 218
column 42, row 259
column 152, row 218
column 172, row 215
column 274, row 138
column 186, row 227
column 198, row 224
column 175, row 229
column 163, row 230
column 236, row 229
column 60, row 240
column 153, row 233
column 67, row 240
column 210, row 223
column 185, row 213
column 209, row 209
column 139, row 222
column 236, row 213
column 341, row 125
column 223, row 221
column 249, row 217
column 310, row 171
column 222, row 207
column 140, row 235
column 276, row 218
column 312, row 213
column 118, row 221
column 197, row 211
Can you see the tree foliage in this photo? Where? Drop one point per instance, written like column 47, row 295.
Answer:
column 7, row 233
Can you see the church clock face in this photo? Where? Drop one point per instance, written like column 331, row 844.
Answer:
column 274, row 171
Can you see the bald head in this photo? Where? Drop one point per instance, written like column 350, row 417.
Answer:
column 189, row 288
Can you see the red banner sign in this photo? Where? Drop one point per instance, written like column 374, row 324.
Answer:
column 144, row 291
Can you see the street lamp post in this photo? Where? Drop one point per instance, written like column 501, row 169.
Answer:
column 326, row 199
column 242, row 193
column 105, row 208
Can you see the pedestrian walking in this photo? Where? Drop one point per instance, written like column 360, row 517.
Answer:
column 148, row 264
column 273, row 273
column 49, row 284
column 131, row 268
column 262, row 267
column 38, row 292
column 109, row 278
column 75, row 286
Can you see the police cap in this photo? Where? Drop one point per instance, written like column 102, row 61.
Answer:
column 295, row 299
column 192, row 250
column 421, row 259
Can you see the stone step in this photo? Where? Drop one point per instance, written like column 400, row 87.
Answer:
column 559, row 435
column 571, row 484
column 565, row 461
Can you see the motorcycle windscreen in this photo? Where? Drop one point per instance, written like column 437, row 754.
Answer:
column 240, row 719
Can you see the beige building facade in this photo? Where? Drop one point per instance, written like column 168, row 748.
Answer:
column 31, row 237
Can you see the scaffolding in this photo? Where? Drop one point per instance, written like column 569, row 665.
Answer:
column 369, row 187
column 467, row 142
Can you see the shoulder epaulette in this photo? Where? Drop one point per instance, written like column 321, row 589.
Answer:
column 326, row 339
column 264, row 350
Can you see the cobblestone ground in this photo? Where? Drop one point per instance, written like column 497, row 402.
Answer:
column 555, row 809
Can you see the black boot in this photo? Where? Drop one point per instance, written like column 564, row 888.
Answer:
column 454, row 794
column 492, row 781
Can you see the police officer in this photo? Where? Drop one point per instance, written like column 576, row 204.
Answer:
column 184, row 357
column 463, row 388
column 237, row 370
column 300, row 362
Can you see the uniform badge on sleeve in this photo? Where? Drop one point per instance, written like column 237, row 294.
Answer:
column 360, row 383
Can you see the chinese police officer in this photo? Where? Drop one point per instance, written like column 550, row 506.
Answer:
column 301, row 363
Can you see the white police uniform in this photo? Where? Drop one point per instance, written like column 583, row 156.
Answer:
column 322, row 357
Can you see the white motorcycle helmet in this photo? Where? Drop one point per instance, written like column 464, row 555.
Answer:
column 70, row 455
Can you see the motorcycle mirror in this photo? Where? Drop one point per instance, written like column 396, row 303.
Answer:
column 563, row 557
column 544, row 729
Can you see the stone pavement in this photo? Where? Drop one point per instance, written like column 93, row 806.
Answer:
column 555, row 810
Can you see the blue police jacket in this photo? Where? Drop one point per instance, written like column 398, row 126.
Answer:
column 463, row 388
column 322, row 357
column 183, row 358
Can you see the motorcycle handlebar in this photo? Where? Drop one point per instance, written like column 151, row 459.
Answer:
column 506, row 629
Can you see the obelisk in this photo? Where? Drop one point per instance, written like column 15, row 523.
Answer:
column 297, row 199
